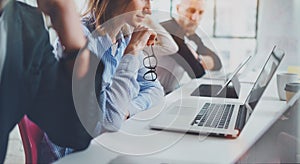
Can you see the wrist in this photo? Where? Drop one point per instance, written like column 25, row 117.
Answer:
column 71, row 54
column 130, row 49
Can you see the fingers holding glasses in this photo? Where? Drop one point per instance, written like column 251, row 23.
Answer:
column 141, row 37
column 150, row 35
column 152, row 38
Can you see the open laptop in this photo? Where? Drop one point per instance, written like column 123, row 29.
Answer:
column 215, row 116
column 209, row 90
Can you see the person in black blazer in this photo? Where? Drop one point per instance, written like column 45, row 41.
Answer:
column 33, row 82
column 193, row 56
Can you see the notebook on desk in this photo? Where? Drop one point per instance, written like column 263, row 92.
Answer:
column 215, row 116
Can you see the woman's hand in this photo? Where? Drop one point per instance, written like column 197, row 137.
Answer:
column 141, row 37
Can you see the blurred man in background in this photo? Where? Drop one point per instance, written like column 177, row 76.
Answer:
column 193, row 56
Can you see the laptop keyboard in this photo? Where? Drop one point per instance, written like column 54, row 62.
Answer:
column 214, row 115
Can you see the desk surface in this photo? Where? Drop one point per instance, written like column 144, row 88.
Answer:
column 136, row 143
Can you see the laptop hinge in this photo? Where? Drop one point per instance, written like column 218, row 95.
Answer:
column 241, row 118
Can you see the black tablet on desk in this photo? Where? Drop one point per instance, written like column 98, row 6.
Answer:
column 225, row 90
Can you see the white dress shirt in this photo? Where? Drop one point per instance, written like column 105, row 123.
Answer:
column 3, row 41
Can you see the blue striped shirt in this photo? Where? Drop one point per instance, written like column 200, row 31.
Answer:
column 123, row 86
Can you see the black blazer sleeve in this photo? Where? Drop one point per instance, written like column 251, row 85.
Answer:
column 187, row 60
column 203, row 50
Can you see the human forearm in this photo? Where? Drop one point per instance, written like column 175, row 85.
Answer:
column 127, row 95
column 149, row 97
column 211, row 61
column 66, row 22
column 149, row 93
column 115, row 98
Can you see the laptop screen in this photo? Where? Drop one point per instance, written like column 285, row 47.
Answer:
column 234, row 74
column 264, row 77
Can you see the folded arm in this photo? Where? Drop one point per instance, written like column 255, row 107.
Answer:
column 210, row 59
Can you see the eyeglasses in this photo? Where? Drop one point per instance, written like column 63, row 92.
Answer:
column 150, row 62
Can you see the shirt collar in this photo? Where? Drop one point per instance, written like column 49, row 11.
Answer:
column 106, row 41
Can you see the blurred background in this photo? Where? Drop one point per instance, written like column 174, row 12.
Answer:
column 234, row 29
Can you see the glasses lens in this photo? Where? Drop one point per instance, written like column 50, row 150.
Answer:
column 150, row 76
column 150, row 62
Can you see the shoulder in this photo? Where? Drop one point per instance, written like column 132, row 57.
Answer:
column 30, row 15
column 31, row 21
column 98, row 43
column 167, row 24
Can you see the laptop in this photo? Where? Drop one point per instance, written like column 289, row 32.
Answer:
column 209, row 90
column 217, row 116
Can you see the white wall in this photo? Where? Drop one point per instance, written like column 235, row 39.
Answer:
column 279, row 23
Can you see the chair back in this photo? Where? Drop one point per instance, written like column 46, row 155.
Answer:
column 31, row 136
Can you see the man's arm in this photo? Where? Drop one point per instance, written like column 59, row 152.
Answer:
column 209, row 59
column 66, row 22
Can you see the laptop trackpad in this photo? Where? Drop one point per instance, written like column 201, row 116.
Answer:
column 180, row 110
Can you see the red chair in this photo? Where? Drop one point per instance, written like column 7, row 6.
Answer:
column 31, row 136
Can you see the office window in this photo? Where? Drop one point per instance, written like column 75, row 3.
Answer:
column 235, row 18
column 160, row 10
column 228, row 27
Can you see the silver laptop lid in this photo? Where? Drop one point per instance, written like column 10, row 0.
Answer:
column 233, row 76
column 264, row 77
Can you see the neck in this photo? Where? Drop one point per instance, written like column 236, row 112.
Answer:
column 188, row 34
